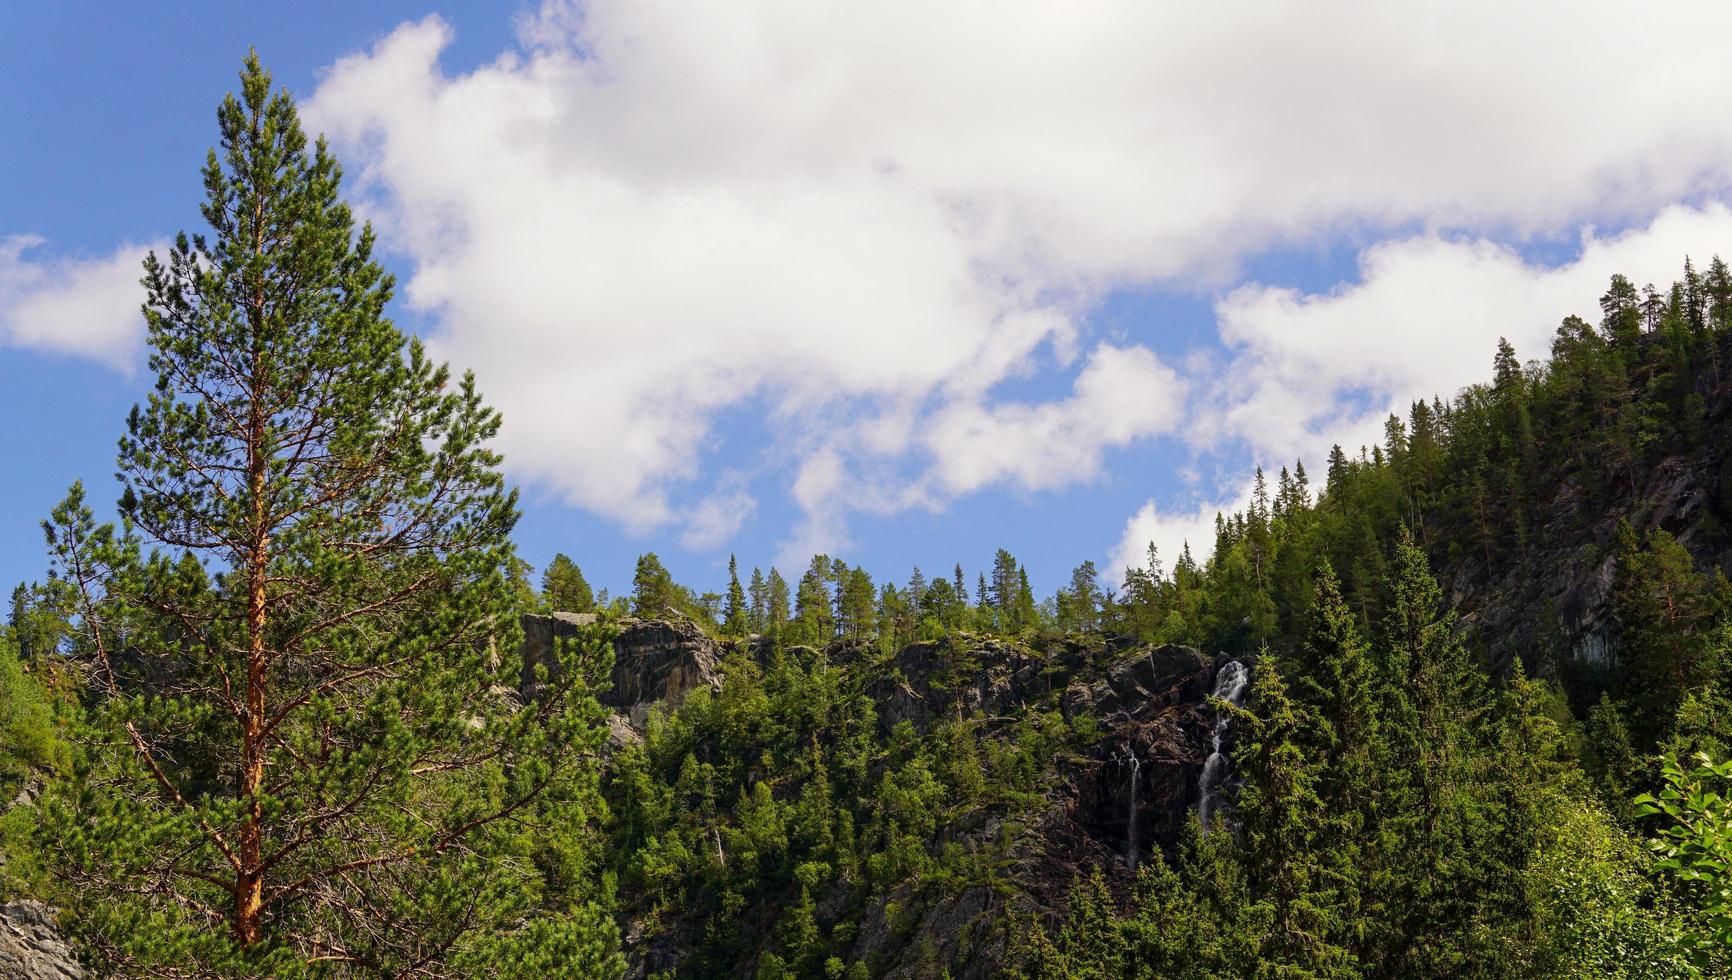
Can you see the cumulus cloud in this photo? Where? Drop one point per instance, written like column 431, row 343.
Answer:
column 1424, row 318
column 1122, row 394
column 873, row 215
column 86, row 307
column 1170, row 533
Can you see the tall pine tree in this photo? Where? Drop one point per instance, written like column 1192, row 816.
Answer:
column 296, row 764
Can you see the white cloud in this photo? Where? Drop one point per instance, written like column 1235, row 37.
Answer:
column 1122, row 394
column 870, row 215
column 1424, row 319
column 1170, row 533
column 87, row 307
column 717, row 518
column 1306, row 371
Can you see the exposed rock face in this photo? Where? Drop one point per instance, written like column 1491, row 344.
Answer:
column 1131, row 791
column 1143, row 684
column 1560, row 598
column 934, row 680
column 31, row 945
column 964, row 931
column 660, row 661
column 654, row 660
column 543, row 636
column 1136, row 786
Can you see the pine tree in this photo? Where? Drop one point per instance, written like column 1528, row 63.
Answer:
column 1666, row 613
column 29, row 740
column 856, row 608
column 813, row 623
column 295, row 761
column 1621, row 314
column 652, row 589
column 1082, row 600
column 563, row 588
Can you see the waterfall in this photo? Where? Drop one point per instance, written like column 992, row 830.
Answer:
column 1230, row 684
column 1131, row 807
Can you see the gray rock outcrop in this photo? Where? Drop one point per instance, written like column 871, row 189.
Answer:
column 655, row 661
column 32, row 946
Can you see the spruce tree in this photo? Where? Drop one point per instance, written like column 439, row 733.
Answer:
column 1280, row 812
column 295, row 765
column 777, row 615
column 734, row 613
column 758, row 593
column 1433, row 712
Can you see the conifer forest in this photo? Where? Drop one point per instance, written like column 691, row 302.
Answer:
column 285, row 701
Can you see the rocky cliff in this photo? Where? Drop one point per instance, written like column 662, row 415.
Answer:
column 1557, row 597
column 654, row 661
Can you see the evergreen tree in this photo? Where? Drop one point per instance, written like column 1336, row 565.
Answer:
column 1436, row 817
column 1279, row 813
column 735, row 613
column 856, row 608
column 29, row 739
column 295, row 763
column 759, row 591
column 1667, row 615
column 653, row 592
column 563, row 587
column 777, row 601
column 1621, row 313
column 1002, row 598
column 1024, row 615
column 813, row 623
column 1080, row 604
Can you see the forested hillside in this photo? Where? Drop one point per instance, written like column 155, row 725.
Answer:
column 1427, row 780
column 1458, row 704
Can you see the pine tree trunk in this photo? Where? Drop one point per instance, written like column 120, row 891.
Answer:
column 249, row 880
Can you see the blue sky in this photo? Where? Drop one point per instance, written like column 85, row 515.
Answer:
column 905, row 285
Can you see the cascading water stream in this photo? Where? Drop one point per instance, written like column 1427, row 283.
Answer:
column 1230, row 683
column 1131, row 809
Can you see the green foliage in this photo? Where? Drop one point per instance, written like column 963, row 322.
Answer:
column 297, row 756
column 563, row 588
column 295, row 763
column 1694, row 845
column 30, row 739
